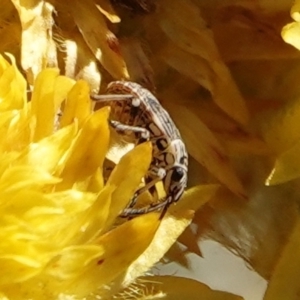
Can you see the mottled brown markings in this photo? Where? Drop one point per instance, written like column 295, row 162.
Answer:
column 169, row 152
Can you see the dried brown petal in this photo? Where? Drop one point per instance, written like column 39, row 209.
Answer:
column 100, row 40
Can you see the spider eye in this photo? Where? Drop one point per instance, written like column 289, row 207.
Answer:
column 177, row 174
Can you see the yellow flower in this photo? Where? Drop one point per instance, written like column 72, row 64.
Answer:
column 59, row 235
column 227, row 75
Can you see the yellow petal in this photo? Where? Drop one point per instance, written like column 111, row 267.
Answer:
column 89, row 149
column 42, row 103
column 283, row 130
column 16, row 178
column 49, row 153
column 73, row 201
column 118, row 253
column 4, row 64
column 62, row 87
column 137, row 161
column 19, row 133
column 194, row 198
column 95, row 217
column 12, row 86
column 287, row 166
column 295, row 10
column 284, row 282
column 290, row 34
column 9, row 129
column 27, row 268
column 45, row 223
column 78, row 105
column 227, row 95
column 172, row 225
column 72, row 260
column 108, row 11
column 96, row 181
column 54, row 221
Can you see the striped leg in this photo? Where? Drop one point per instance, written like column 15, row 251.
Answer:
column 141, row 134
column 155, row 174
column 133, row 212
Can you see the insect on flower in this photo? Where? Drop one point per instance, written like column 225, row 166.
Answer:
column 137, row 115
